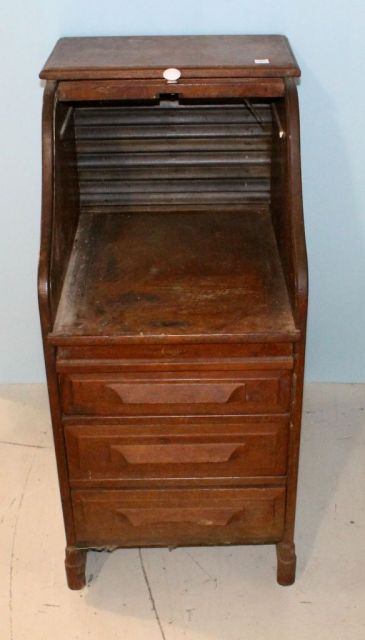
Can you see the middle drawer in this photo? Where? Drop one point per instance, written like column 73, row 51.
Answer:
column 152, row 449
column 176, row 393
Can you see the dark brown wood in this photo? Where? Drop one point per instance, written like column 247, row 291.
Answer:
column 194, row 364
column 187, row 354
column 173, row 292
column 114, row 455
column 147, row 57
column 87, row 90
column 46, row 276
column 287, row 561
column 223, row 265
column 287, row 206
column 294, row 259
column 178, row 517
column 174, row 394
column 75, row 563
column 66, row 198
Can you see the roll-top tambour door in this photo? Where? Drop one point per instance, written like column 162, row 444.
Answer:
column 174, row 154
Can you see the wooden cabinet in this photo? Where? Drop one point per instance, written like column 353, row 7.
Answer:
column 173, row 291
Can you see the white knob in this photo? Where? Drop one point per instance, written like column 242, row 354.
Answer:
column 171, row 74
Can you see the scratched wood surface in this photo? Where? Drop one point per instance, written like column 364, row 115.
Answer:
column 148, row 56
column 184, row 274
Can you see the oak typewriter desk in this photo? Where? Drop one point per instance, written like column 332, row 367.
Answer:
column 172, row 289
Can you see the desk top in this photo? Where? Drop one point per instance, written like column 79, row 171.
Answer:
column 191, row 277
column 268, row 56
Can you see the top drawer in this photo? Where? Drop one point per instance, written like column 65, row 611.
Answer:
column 174, row 357
column 91, row 90
column 176, row 393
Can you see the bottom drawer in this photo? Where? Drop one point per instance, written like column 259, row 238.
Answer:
column 178, row 517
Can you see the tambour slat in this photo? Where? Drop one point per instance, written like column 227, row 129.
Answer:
column 250, row 207
column 193, row 114
column 198, row 172
column 133, row 145
column 162, row 186
column 185, row 158
column 171, row 153
column 171, row 130
column 174, row 197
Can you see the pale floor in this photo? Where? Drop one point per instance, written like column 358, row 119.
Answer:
column 198, row 593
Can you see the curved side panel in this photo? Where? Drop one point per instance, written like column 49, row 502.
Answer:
column 299, row 277
column 44, row 296
column 295, row 204
column 287, row 205
column 47, row 205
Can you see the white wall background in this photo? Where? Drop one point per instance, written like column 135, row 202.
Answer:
column 328, row 39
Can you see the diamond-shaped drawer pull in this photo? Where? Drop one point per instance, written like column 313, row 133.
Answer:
column 171, row 75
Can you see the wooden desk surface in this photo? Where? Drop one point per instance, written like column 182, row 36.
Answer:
column 184, row 275
column 147, row 57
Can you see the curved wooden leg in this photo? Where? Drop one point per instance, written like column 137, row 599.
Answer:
column 75, row 563
column 287, row 561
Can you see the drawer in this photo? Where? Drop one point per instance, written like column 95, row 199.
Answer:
column 113, row 454
column 176, row 393
column 178, row 517
column 172, row 357
column 137, row 89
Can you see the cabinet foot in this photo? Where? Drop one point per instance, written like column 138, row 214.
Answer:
column 75, row 563
column 287, row 561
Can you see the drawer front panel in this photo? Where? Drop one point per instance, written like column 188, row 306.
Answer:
column 131, row 89
column 156, row 354
column 179, row 517
column 107, row 453
column 178, row 393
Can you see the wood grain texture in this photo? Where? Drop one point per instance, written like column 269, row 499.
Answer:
column 238, row 355
column 114, row 455
column 287, row 561
column 148, row 56
column 287, row 204
column 223, row 280
column 164, row 517
column 46, row 276
column 294, row 257
column 176, row 394
column 75, row 563
column 93, row 90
